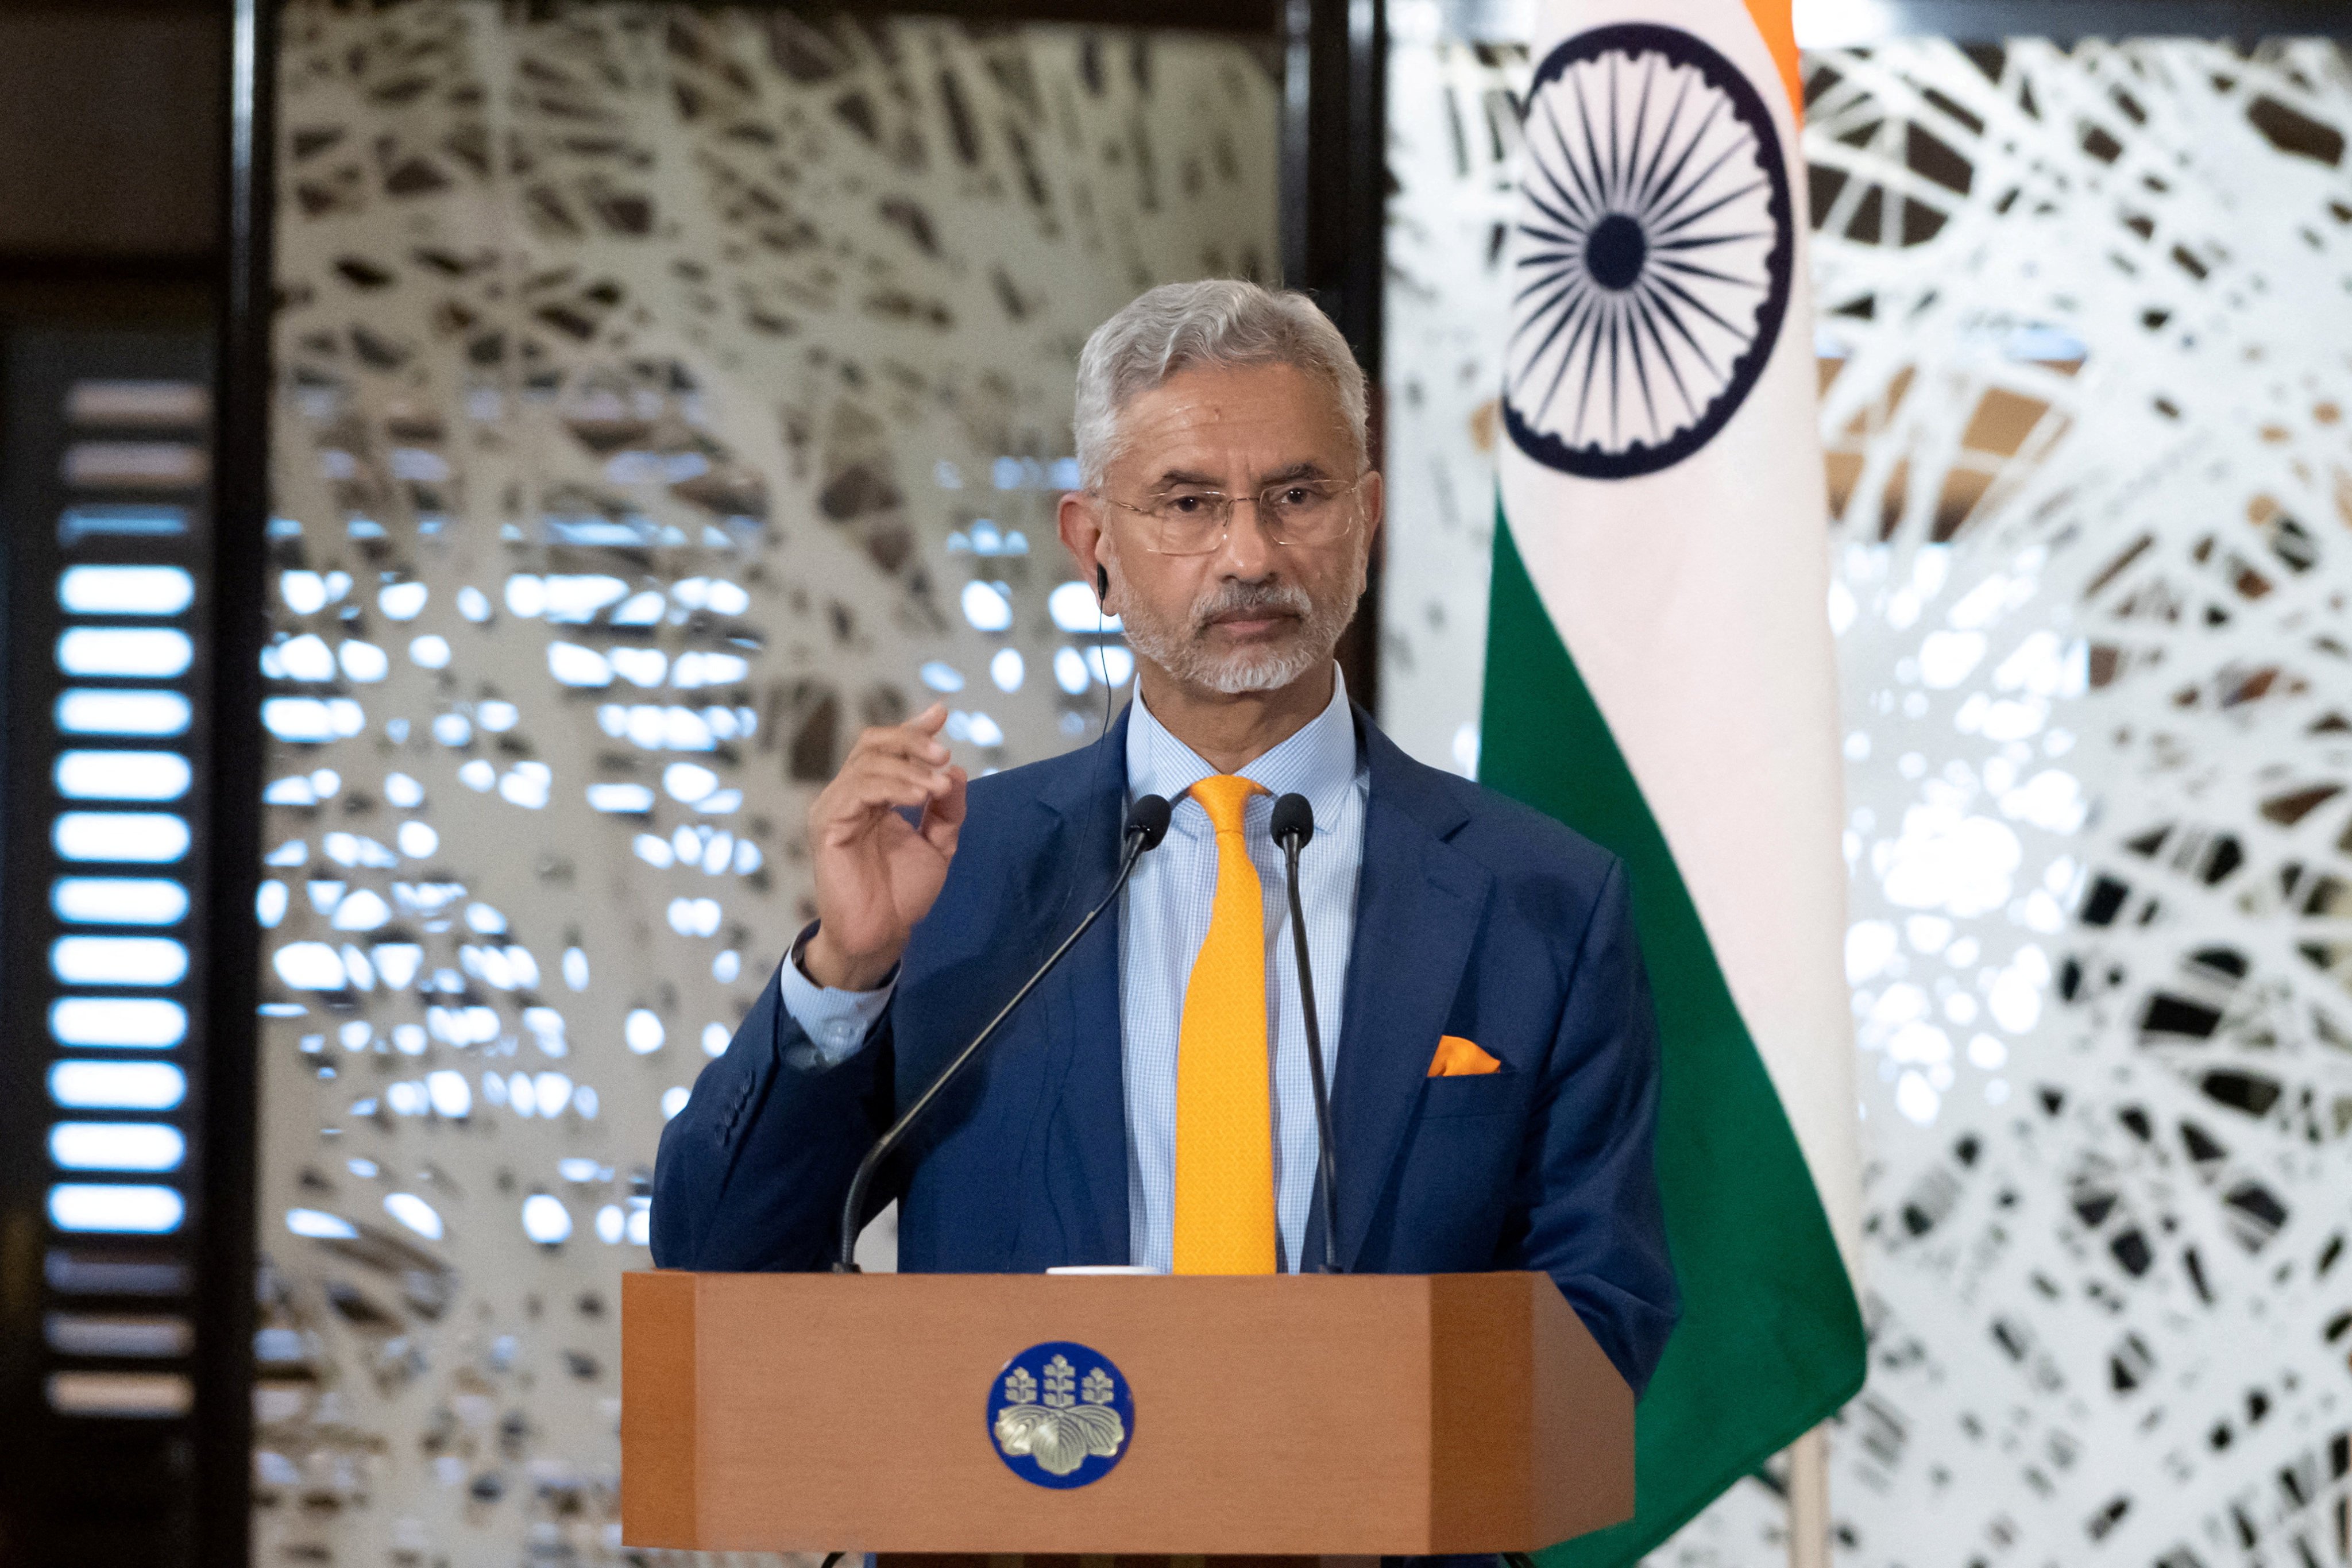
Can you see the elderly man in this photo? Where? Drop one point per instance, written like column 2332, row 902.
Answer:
column 1484, row 1013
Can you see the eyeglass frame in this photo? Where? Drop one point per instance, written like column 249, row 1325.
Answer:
column 1258, row 500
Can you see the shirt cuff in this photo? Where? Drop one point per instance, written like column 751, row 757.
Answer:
column 836, row 1022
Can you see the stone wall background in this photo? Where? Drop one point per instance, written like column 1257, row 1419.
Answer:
column 665, row 391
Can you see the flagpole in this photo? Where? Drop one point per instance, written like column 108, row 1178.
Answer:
column 1809, row 1499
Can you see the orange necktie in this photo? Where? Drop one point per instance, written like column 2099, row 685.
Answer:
column 1224, row 1122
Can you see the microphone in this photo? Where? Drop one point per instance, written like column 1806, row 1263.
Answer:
column 1146, row 825
column 1294, row 825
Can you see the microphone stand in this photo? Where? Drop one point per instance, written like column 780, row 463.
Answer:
column 1293, row 824
column 1147, row 824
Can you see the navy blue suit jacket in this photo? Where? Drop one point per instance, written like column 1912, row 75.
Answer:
column 1475, row 917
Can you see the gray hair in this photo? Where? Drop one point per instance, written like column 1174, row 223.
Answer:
column 1218, row 322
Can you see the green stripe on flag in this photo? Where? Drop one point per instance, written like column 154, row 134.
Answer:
column 1770, row 1341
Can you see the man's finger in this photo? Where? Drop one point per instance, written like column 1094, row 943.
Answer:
column 943, row 819
column 897, row 740
column 884, row 767
column 881, row 782
column 851, row 803
column 952, row 801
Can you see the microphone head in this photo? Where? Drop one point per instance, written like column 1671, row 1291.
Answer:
column 1149, row 817
column 1293, row 819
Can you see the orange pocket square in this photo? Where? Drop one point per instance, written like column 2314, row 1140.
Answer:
column 1458, row 1058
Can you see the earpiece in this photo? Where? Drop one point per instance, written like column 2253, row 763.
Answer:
column 1102, row 580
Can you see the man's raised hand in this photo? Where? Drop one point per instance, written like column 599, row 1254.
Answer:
column 876, row 873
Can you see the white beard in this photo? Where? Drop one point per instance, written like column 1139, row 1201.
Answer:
column 1182, row 651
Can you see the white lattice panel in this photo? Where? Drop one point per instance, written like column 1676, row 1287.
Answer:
column 2084, row 334
column 664, row 393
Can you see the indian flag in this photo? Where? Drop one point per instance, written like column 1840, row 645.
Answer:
column 1659, row 676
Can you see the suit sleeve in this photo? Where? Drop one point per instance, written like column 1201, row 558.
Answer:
column 1588, row 1179
column 752, row 1172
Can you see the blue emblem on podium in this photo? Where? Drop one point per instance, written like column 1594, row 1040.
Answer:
column 1059, row 1415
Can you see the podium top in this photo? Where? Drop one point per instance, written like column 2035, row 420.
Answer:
column 1247, row 1415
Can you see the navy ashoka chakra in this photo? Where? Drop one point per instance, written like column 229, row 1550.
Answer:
column 1651, row 254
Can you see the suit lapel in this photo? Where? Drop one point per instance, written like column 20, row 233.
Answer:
column 1083, row 1120
column 1418, row 906
column 1418, row 903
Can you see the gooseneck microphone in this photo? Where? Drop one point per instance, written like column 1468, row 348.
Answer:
column 1294, row 825
column 1146, row 825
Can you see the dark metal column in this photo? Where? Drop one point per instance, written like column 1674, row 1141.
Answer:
column 1334, row 195
column 231, row 1086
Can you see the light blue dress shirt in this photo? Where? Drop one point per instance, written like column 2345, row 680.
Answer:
column 1164, row 918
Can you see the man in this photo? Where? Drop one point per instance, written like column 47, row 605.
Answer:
column 1483, row 1009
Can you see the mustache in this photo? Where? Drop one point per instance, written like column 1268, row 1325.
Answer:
column 1235, row 597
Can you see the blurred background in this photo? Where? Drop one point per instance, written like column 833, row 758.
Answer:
column 475, row 465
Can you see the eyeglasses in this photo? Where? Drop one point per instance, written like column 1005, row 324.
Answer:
column 1187, row 521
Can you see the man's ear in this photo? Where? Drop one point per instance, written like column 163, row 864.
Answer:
column 1079, row 522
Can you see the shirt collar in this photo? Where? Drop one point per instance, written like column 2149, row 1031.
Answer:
column 1319, row 761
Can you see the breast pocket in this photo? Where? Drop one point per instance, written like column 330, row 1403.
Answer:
column 1470, row 1094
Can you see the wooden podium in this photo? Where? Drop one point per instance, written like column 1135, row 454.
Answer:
column 1285, row 1415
